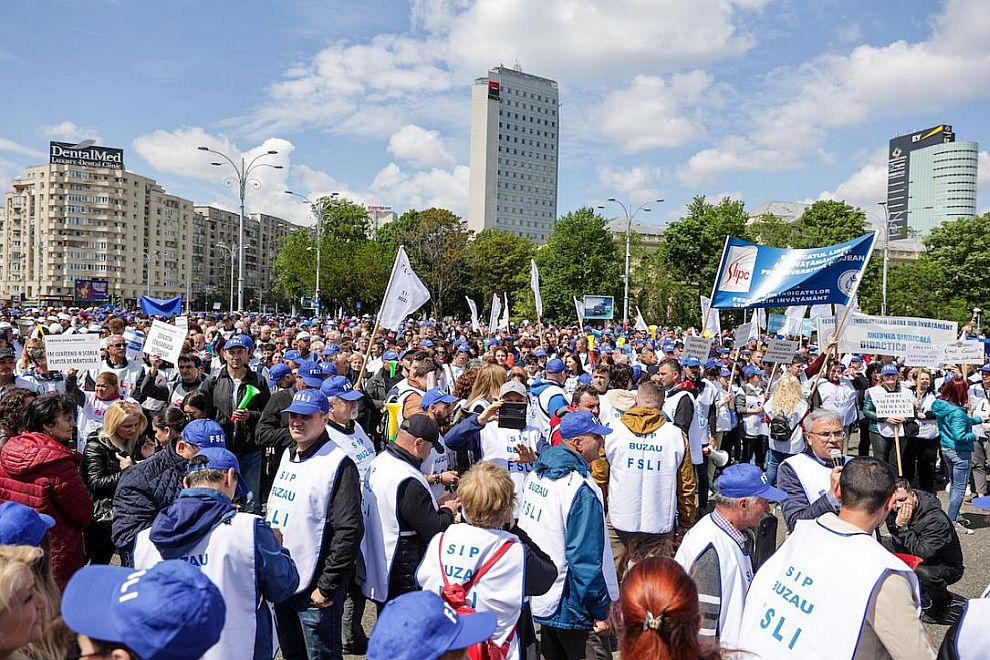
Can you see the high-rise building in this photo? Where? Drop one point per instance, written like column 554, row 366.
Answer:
column 514, row 140
column 379, row 216
column 930, row 178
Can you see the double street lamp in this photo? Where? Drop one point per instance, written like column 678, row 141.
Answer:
column 630, row 215
column 320, row 210
column 243, row 178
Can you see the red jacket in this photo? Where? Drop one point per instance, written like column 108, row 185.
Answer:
column 39, row 471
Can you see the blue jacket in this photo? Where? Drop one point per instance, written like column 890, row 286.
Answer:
column 556, row 402
column 143, row 491
column 195, row 513
column 585, row 597
column 955, row 426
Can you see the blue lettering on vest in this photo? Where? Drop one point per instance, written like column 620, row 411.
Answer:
column 532, row 512
column 198, row 560
column 542, row 491
column 644, row 464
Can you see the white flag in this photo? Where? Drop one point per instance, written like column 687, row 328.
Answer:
column 404, row 294
column 714, row 326
column 494, row 316
column 579, row 306
column 640, row 323
column 840, row 311
column 794, row 325
column 820, row 312
column 475, row 323
column 759, row 321
column 534, row 283
column 504, row 323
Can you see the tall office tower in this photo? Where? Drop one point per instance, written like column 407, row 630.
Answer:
column 930, row 178
column 514, row 140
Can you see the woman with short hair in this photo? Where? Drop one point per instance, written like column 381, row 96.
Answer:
column 22, row 605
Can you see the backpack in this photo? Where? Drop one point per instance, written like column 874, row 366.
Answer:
column 455, row 595
column 780, row 429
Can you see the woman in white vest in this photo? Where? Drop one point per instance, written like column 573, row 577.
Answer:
column 837, row 392
column 516, row 567
column 923, row 451
column 92, row 405
column 785, row 407
column 821, row 594
column 237, row 551
column 753, row 424
column 882, row 428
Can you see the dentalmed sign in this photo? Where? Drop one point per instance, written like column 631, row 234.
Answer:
column 63, row 153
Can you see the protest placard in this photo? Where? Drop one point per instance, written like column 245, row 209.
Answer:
column 919, row 355
column 73, row 351
column 781, row 350
column 894, row 404
column 182, row 322
column 696, row 347
column 889, row 335
column 963, row 352
column 165, row 340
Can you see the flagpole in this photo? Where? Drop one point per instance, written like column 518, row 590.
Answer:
column 711, row 299
column 374, row 331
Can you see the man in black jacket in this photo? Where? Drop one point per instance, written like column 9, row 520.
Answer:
column 918, row 526
column 226, row 390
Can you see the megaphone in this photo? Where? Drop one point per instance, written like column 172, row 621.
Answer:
column 719, row 458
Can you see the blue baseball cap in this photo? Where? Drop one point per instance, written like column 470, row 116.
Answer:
column 307, row 402
column 390, row 355
column 668, row 347
column 218, row 458
column 690, row 362
column 310, row 373
column 888, row 370
column 426, row 343
column 581, row 422
column 420, row 626
column 747, row 480
column 723, row 351
column 436, row 395
column 711, row 363
column 585, row 378
column 752, row 371
column 22, row 525
column 462, row 348
column 856, row 357
column 204, row 433
column 339, row 386
column 277, row 373
column 291, row 354
column 540, row 352
column 725, row 373
column 239, row 340
column 985, row 368
column 555, row 366
column 328, row 369
column 170, row 611
column 331, row 349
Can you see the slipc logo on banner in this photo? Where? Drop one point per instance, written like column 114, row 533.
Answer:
column 738, row 274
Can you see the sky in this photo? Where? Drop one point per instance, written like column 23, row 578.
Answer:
column 758, row 100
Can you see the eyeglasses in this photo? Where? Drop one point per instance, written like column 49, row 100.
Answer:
column 838, row 435
column 117, row 345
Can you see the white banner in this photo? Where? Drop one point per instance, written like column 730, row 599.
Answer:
column 894, row 404
column 781, row 350
column 696, row 347
column 182, row 322
column 742, row 334
column 534, row 283
column 73, row 351
column 165, row 341
column 495, row 313
column 640, row 322
column 404, row 295
column 714, row 325
column 579, row 308
column 475, row 323
column 889, row 335
column 504, row 323
column 963, row 352
column 794, row 325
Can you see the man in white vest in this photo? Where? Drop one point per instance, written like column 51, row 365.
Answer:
column 563, row 512
column 714, row 552
column 436, row 404
column 678, row 406
column 809, row 478
column 549, row 394
column 400, row 513
column 651, row 486
column 239, row 552
column 315, row 501
column 831, row 590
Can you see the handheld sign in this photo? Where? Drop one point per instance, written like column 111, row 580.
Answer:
column 165, row 340
column 963, row 352
column 919, row 355
column 696, row 347
column 894, row 404
column 73, row 351
column 182, row 322
column 781, row 350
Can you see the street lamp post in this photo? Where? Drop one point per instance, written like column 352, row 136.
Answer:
column 629, row 218
column 886, row 257
column 231, row 251
column 319, row 209
column 147, row 264
column 243, row 173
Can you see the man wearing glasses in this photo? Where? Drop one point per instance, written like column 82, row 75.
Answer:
column 129, row 373
column 809, row 478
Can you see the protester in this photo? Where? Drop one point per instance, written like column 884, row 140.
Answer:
column 12, row 407
column 93, row 405
column 922, row 449
column 679, row 405
column 752, row 417
column 21, row 605
column 785, row 409
column 167, row 425
column 955, row 427
column 882, row 430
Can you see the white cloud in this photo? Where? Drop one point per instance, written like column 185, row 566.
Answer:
column 18, row 148
column 68, row 131
column 866, row 187
column 649, row 113
column 420, row 147
column 983, row 183
column 637, row 184
column 436, row 187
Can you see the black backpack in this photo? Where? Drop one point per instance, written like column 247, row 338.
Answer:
column 780, row 429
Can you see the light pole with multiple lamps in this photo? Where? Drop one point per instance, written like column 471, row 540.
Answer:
column 319, row 210
column 231, row 251
column 243, row 173
column 630, row 215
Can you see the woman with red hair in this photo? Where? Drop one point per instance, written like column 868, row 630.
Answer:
column 955, row 428
column 660, row 614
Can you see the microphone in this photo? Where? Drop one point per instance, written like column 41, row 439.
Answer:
column 836, row 456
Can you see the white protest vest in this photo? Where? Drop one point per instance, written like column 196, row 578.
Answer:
column 703, row 404
column 543, row 405
column 501, row 590
column 226, row 557
column 801, row 607
column 437, row 463
column 980, row 405
column 697, row 436
column 499, row 446
column 642, row 483
column 379, row 504
column 543, row 516
column 735, row 570
column 815, row 478
column 972, row 640
column 401, row 397
column 90, row 417
column 840, row 397
column 928, row 428
column 357, row 446
column 885, row 429
column 754, row 425
column 129, row 375
column 298, row 501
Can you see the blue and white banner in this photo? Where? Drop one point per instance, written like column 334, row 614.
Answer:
column 752, row 275
column 158, row 307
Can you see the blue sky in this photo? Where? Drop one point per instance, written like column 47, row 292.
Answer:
column 756, row 99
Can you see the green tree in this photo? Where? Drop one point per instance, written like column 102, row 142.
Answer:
column 343, row 220
column 498, row 261
column 959, row 251
column 295, row 264
column 692, row 246
column 579, row 258
column 827, row 222
column 772, row 230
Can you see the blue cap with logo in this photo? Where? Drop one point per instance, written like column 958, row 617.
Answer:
column 291, row 354
column 581, row 422
column 711, row 363
column 307, row 402
column 239, row 341
column 555, row 366
column 339, row 386
column 461, row 347
column 540, row 352
column 725, row 373
column 747, row 480
column 328, row 369
column 985, row 368
column 204, row 433
column 436, row 395
column 218, row 458
column 420, row 626
column 22, row 525
column 752, row 371
column 277, row 373
column 331, row 349
column 888, row 370
column 310, row 373
column 690, row 362
column 170, row 611
column 390, row 355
